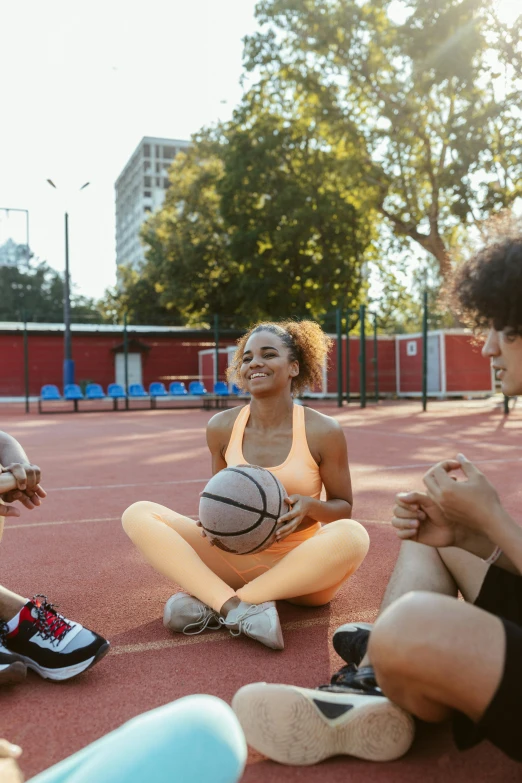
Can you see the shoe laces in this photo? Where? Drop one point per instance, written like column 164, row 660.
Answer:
column 49, row 623
column 350, row 678
column 242, row 621
column 4, row 630
column 208, row 616
column 345, row 675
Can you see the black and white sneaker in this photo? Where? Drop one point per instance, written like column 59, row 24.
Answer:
column 350, row 641
column 12, row 668
column 357, row 680
column 300, row 726
column 51, row 645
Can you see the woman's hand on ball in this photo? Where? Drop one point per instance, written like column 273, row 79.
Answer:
column 289, row 522
column 204, row 535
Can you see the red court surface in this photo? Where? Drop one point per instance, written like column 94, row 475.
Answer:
column 74, row 550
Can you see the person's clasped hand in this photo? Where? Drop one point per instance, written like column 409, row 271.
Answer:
column 28, row 490
column 416, row 517
column 299, row 508
column 472, row 503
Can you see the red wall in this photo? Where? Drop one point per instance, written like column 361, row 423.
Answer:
column 466, row 368
column 207, row 369
column 410, row 377
column 170, row 357
column 11, row 365
column 386, row 366
column 175, row 357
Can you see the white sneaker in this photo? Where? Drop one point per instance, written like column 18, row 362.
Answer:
column 258, row 621
column 300, row 726
column 185, row 614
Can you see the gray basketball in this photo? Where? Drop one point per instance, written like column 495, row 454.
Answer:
column 239, row 508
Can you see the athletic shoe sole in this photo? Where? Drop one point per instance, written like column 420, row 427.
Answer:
column 13, row 673
column 67, row 672
column 299, row 726
column 342, row 639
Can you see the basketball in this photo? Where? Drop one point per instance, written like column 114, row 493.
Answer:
column 239, row 508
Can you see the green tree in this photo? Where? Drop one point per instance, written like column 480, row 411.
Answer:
column 263, row 219
column 398, row 297
column 188, row 254
column 139, row 297
column 300, row 224
column 35, row 292
column 434, row 88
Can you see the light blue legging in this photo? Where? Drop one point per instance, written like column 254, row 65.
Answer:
column 196, row 739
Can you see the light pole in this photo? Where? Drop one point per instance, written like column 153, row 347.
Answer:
column 68, row 363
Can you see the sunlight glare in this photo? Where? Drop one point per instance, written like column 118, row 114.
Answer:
column 508, row 10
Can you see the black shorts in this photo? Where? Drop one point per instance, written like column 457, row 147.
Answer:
column 501, row 724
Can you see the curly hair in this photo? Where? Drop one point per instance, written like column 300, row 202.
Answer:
column 489, row 287
column 306, row 342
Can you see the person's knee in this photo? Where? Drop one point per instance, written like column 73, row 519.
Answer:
column 214, row 725
column 211, row 713
column 133, row 516
column 352, row 541
column 397, row 638
column 403, row 649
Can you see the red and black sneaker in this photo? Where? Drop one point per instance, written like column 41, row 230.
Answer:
column 51, row 645
column 12, row 668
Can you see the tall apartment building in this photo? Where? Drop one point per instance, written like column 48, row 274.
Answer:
column 140, row 189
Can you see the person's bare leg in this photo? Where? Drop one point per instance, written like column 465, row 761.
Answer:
column 442, row 571
column 10, row 603
column 418, row 567
column 433, row 654
column 467, row 570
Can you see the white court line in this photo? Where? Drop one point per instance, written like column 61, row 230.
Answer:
column 353, row 468
column 438, row 438
column 112, row 519
column 414, row 466
column 125, row 486
column 430, row 465
column 222, row 636
column 59, row 522
column 73, row 522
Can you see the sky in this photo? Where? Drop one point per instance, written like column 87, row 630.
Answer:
column 82, row 83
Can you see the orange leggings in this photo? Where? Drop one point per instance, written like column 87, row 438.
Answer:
column 308, row 567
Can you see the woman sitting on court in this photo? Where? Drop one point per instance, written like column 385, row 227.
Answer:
column 317, row 546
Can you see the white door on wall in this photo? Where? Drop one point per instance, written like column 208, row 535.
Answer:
column 134, row 368
column 434, row 363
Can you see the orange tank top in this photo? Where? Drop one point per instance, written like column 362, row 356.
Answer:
column 299, row 473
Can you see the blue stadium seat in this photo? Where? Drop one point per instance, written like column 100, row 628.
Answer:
column 115, row 391
column 157, row 389
column 177, row 388
column 221, row 388
column 72, row 392
column 235, row 389
column 196, row 387
column 137, row 390
column 50, row 392
column 94, row 391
